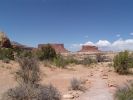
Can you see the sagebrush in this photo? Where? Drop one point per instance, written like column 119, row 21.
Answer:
column 28, row 77
column 125, row 93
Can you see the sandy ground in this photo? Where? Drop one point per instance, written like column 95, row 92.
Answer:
column 102, row 80
column 61, row 78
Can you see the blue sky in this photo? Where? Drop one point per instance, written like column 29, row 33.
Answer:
column 72, row 22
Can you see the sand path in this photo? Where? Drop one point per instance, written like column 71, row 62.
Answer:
column 99, row 89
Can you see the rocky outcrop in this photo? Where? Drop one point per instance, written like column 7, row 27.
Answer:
column 59, row 48
column 4, row 41
column 17, row 45
column 89, row 48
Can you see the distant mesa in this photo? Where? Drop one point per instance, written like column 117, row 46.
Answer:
column 89, row 48
column 59, row 48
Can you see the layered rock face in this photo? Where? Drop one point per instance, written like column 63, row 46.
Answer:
column 89, row 48
column 4, row 41
column 59, row 48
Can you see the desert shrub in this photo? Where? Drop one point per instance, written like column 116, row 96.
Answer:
column 17, row 51
column 32, row 92
column 122, row 62
column 46, row 53
column 59, row 61
column 50, row 93
column 6, row 53
column 76, row 84
column 131, row 60
column 28, row 87
column 71, row 60
column 125, row 93
column 25, row 53
column 102, row 58
column 29, row 71
column 87, row 61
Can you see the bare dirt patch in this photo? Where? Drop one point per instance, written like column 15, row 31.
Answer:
column 101, row 80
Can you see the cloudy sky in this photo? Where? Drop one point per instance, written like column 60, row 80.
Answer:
column 107, row 24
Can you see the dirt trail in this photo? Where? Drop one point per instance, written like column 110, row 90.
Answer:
column 99, row 89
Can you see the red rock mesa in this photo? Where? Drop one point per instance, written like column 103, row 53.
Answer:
column 59, row 48
column 89, row 48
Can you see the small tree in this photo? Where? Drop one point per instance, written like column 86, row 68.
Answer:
column 46, row 53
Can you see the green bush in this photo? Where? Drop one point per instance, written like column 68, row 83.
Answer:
column 59, row 61
column 131, row 60
column 122, row 62
column 87, row 61
column 25, row 53
column 125, row 93
column 6, row 54
column 46, row 53
column 71, row 60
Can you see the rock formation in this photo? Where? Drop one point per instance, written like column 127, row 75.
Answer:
column 17, row 45
column 4, row 41
column 89, row 48
column 59, row 48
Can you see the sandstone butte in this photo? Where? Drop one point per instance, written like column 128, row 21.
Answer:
column 59, row 48
column 89, row 48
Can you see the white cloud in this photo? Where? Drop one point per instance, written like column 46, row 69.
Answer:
column 122, row 44
column 89, row 43
column 105, row 45
column 74, row 47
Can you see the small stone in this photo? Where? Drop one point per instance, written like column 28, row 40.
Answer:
column 112, row 84
column 105, row 74
column 68, row 96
